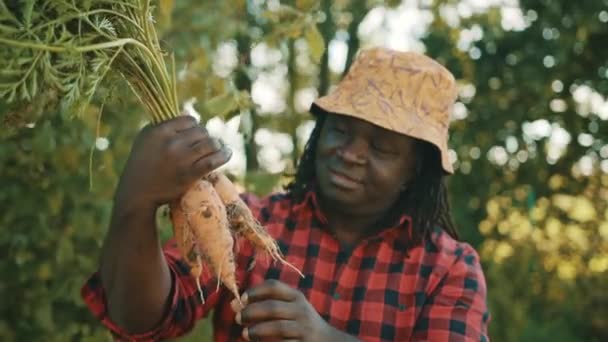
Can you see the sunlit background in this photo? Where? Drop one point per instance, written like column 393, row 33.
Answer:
column 528, row 142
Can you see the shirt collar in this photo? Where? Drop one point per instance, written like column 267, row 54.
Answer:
column 311, row 202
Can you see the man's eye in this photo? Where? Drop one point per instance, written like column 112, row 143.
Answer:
column 339, row 130
column 382, row 149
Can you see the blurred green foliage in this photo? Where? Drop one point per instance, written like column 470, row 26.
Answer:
column 52, row 224
column 532, row 160
column 529, row 140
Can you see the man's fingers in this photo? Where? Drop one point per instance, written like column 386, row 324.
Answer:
column 180, row 123
column 265, row 311
column 279, row 329
column 206, row 146
column 270, row 289
column 192, row 135
column 235, row 305
column 207, row 163
column 194, row 143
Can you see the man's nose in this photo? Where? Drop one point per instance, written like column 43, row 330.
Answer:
column 354, row 151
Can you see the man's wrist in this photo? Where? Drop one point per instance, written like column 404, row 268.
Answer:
column 132, row 210
column 127, row 204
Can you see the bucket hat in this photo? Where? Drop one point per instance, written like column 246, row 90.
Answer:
column 405, row 92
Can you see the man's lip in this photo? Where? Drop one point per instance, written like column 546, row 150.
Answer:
column 345, row 175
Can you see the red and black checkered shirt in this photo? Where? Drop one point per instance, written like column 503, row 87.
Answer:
column 374, row 291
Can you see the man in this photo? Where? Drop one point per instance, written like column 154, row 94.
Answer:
column 366, row 220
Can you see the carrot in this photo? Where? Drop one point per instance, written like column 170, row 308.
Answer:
column 186, row 244
column 242, row 221
column 207, row 218
column 204, row 221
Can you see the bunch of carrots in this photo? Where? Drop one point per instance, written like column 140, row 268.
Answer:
column 68, row 47
column 204, row 221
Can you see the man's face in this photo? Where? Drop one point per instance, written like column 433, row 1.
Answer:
column 361, row 168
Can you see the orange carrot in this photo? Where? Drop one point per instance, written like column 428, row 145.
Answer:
column 243, row 222
column 206, row 215
column 186, row 243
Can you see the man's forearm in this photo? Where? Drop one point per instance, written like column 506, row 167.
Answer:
column 133, row 269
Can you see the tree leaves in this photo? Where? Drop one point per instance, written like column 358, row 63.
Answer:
column 165, row 10
column 53, row 227
column 297, row 22
column 283, row 13
column 307, row 5
column 316, row 43
column 221, row 105
column 510, row 87
column 228, row 103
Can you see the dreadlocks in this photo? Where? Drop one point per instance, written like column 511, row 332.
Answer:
column 425, row 200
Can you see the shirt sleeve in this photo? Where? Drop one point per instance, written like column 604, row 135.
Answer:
column 457, row 309
column 185, row 307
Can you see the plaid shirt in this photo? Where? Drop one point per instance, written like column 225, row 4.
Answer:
column 374, row 291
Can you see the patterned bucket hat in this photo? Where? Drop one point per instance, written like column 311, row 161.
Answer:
column 405, row 92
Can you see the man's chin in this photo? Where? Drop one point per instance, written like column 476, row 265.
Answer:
column 342, row 199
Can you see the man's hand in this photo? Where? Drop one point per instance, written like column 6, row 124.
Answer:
column 165, row 160
column 273, row 311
